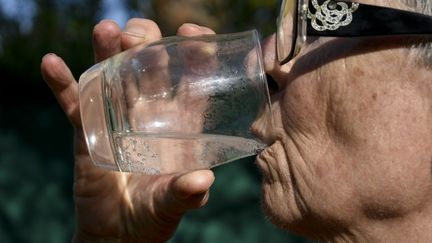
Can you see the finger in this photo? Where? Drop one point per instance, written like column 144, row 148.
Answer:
column 154, row 77
column 146, row 84
column 62, row 83
column 106, row 40
column 187, row 191
column 192, row 184
column 139, row 31
column 198, row 56
column 189, row 29
column 200, row 62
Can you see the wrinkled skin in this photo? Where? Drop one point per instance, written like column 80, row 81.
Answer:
column 350, row 160
column 352, row 146
column 121, row 207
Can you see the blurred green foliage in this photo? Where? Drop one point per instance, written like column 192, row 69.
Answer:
column 35, row 176
column 36, row 203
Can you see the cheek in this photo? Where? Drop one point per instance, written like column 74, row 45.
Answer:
column 360, row 144
column 384, row 128
column 303, row 107
column 313, row 162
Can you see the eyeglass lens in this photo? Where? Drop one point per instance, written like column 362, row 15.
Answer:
column 286, row 29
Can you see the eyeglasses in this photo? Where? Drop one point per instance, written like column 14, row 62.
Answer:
column 299, row 19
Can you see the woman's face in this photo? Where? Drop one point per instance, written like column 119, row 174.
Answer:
column 353, row 135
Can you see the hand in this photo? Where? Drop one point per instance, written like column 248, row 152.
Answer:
column 164, row 90
column 113, row 206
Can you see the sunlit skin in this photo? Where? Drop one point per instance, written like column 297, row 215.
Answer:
column 153, row 107
column 120, row 207
column 352, row 148
column 350, row 160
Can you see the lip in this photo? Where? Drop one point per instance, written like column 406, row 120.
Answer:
column 263, row 154
column 268, row 162
column 263, row 164
column 260, row 159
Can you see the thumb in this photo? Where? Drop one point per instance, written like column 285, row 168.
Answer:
column 184, row 192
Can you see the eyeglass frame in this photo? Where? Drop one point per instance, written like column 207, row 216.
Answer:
column 367, row 20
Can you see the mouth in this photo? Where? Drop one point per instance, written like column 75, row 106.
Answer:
column 274, row 164
column 263, row 163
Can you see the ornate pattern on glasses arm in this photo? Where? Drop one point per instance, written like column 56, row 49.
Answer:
column 331, row 14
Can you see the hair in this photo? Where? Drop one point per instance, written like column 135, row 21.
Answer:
column 423, row 47
column 421, row 6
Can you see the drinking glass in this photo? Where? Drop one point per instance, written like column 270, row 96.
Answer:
column 177, row 104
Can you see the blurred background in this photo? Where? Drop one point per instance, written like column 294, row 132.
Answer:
column 36, row 139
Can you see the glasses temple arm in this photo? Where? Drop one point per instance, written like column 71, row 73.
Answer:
column 369, row 20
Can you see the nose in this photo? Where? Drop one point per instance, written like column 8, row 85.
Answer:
column 271, row 65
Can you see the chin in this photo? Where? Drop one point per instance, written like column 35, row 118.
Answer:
column 276, row 206
column 281, row 209
column 279, row 201
column 277, row 214
column 281, row 217
column 269, row 208
column 284, row 213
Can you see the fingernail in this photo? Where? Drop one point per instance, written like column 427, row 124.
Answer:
column 205, row 199
column 193, row 26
